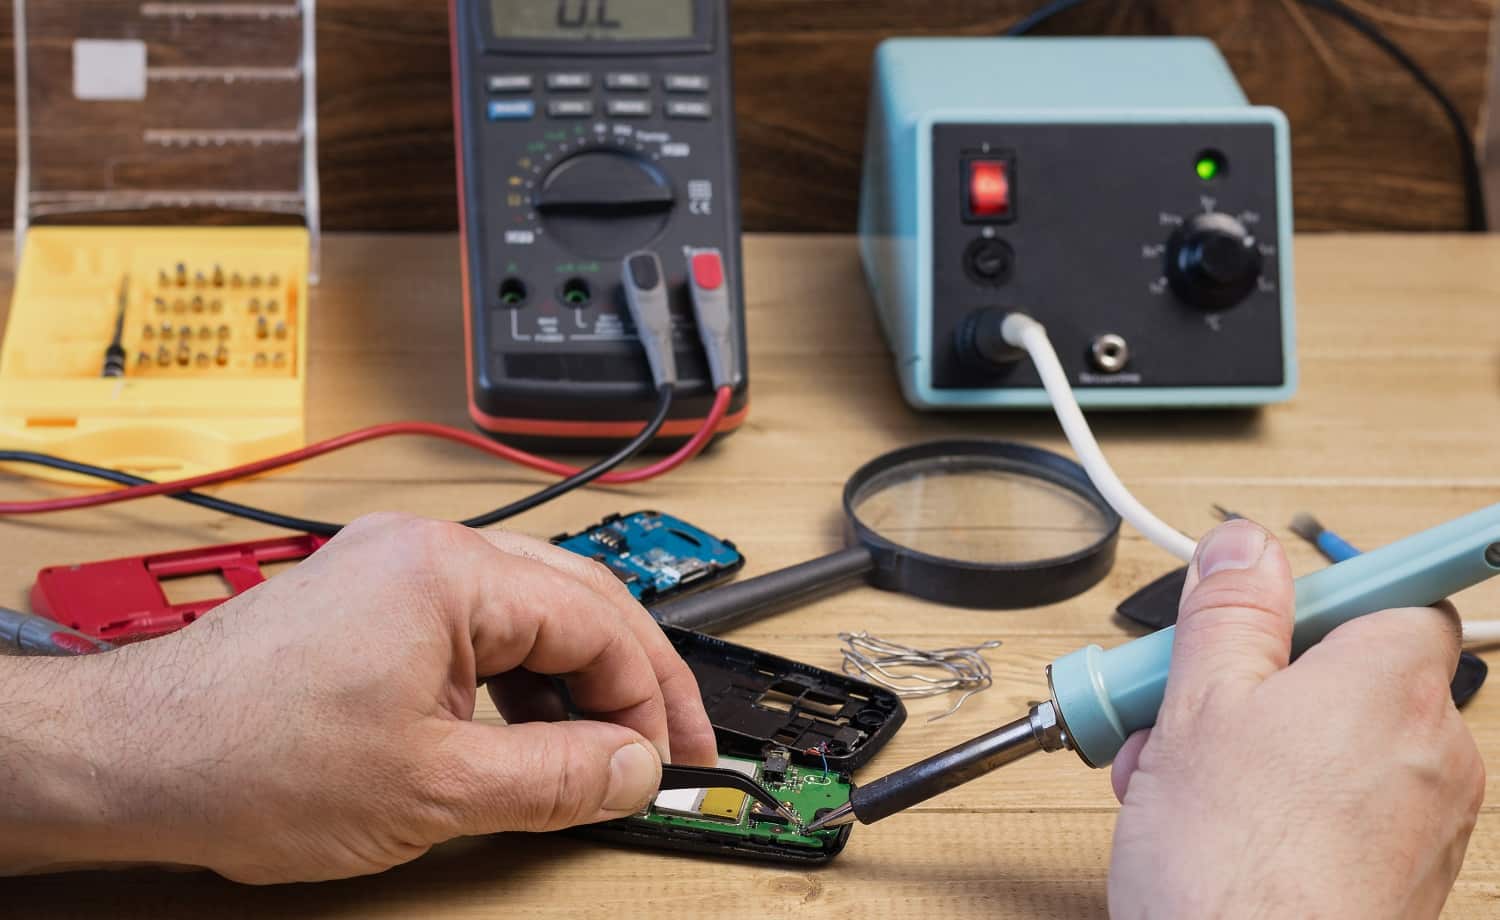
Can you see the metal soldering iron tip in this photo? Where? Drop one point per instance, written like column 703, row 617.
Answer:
column 840, row 816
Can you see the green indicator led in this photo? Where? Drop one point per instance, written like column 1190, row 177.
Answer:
column 1207, row 167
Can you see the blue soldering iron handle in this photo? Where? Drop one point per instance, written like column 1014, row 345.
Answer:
column 1104, row 696
column 1336, row 547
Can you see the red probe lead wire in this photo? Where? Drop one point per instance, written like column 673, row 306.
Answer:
column 677, row 458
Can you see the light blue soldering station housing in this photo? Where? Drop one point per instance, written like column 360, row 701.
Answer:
column 1102, row 133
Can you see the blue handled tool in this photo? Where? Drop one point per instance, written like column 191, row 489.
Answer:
column 1330, row 544
column 1100, row 697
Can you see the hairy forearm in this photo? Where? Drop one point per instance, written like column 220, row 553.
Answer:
column 69, row 792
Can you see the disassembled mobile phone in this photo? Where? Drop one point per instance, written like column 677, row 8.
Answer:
column 655, row 555
column 797, row 729
column 729, row 822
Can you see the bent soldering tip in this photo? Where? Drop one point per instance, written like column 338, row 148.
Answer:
column 844, row 814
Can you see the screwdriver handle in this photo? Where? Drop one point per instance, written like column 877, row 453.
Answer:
column 34, row 635
column 1104, row 696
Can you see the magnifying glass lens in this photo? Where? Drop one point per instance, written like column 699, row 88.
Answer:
column 978, row 509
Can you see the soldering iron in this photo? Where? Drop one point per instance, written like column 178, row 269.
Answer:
column 1099, row 698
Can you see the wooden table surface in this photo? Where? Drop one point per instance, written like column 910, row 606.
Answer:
column 1396, row 427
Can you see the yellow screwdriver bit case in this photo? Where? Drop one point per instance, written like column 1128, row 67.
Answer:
column 167, row 234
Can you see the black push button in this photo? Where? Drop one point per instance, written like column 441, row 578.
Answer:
column 643, row 271
column 629, row 108
column 509, row 83
column 686, row 82
column 688, row 109
column 570, row 108
column 570, row 80
column 628, row 81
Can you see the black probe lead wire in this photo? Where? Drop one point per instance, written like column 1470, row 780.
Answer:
column 1474, row 210
column 587, row 475
column 323, row 528
column 234, row 509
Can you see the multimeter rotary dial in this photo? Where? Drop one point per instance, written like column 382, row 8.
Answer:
column 1213, row 261
column 603, row 203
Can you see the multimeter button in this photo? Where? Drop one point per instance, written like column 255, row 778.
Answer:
column 708, row 270
column 511, row 109
column 570, row 80
column 685, row 83
column 509, row 83
column 627, row 81
column 570, row 108
column 643, row 272
column 989, row 188
column 693, row 109
column 629, row 108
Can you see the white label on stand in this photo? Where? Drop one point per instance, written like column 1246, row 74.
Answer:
column 109, row 70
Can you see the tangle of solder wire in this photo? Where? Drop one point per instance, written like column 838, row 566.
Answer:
column 898, row 667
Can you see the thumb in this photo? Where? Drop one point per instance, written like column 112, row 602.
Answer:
column 1234, row 625
column 544, row 776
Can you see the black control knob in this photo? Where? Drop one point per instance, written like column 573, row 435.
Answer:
column 981, row 347
column 989, row 261
column 1212, row 261
column 604, row 203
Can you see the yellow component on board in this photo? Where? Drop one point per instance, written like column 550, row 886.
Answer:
column 214, row 333
column 725, row 804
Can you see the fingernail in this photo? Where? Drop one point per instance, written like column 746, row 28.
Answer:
column 633, row 776
column 1234, row 546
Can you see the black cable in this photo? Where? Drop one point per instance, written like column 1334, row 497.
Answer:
column 234, row 509
column 1478, row 221
column 584, row 476
column 1041, row 16
column 323, row 528
column 1474, row 211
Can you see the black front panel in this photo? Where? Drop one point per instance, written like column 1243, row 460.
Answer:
column 1091, row 216
column 576, row 153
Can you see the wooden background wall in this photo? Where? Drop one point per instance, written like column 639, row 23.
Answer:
column 1371, row 152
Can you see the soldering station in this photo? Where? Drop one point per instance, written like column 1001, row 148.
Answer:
column 1044, row 223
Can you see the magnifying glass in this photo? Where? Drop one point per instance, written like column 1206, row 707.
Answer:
column 979, row 524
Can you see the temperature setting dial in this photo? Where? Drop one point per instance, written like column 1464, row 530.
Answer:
column 1213, row 261
column 604, row 203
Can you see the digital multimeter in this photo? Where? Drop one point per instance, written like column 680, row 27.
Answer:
column 586, row 130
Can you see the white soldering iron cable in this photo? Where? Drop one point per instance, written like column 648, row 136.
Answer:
column 1026, row 333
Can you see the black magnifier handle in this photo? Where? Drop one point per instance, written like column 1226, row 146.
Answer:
column 722, row 608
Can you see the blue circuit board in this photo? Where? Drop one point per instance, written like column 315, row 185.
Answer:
column 655, row 555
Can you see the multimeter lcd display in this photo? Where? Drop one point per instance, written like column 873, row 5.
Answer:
column 604, row 20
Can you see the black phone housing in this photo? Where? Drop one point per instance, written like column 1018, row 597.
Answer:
column 758, row 701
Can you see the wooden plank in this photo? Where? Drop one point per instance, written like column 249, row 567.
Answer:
column 1370, row 150
column 1393, row 430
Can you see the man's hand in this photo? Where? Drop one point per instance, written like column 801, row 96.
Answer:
column 1344, row 785
column 319, row 726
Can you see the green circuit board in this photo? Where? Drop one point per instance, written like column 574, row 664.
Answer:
column 807, row 790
